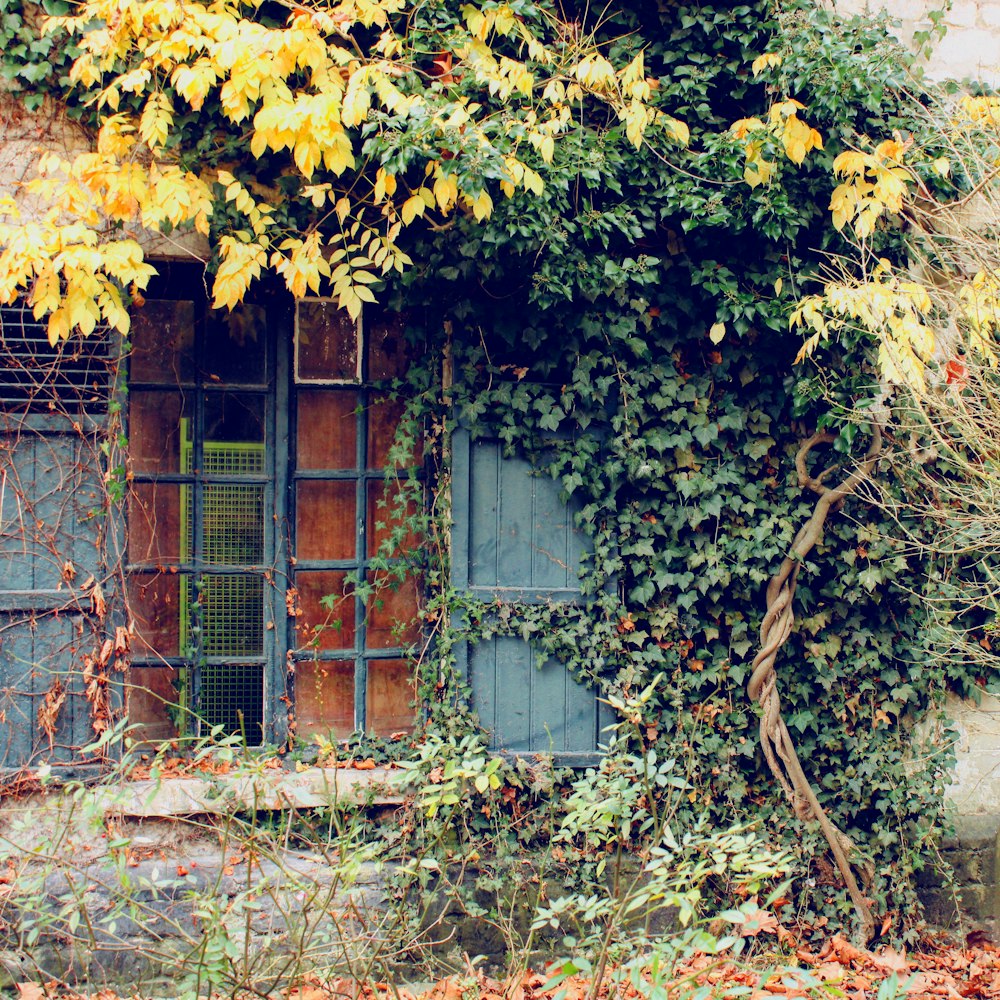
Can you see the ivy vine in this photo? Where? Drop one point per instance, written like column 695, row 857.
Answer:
column 577, row 328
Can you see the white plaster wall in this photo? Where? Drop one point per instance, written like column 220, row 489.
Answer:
column 969, row 50
column 975, row 788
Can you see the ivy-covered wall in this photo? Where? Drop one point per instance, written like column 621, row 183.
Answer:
column 584, row 331
column 628, row 331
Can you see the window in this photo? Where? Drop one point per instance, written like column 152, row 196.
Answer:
column 259, row 448
column 54, row 532
column 348, row 660
column 200, row 546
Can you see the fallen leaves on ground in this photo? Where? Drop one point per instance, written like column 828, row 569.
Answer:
column 837, row 969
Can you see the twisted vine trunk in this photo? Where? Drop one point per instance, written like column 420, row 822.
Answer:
column 775, row 740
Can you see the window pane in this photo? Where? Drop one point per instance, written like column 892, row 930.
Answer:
column 231, row 695
column 229, row 611
column 326, row 342
column 162, row 342
column 234, row 433
column 390, row 695
column 327, row 429
column 235, row 345
column 324, row 698
column 319, row 626
column 392, row 616
column 325, row 521
column 383, row 419
column 384, row 416
column 152, row 703
column 154, row 522
column 155, row 423
column 155, row 603
column 232, row 522
column 387, row 347
column 386, row 521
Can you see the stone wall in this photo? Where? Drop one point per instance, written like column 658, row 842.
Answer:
column 25, row 136
column 971, row 46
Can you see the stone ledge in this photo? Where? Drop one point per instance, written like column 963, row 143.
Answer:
column 215, row 795
column 313, row 788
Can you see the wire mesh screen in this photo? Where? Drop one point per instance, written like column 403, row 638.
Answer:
column 232, row 696
column 233, row 458
column 227, row 610
column 232, row 615
column 232, row 524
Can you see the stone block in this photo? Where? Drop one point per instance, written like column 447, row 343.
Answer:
column 963, row 14
column 941, row 908
column 966, row 53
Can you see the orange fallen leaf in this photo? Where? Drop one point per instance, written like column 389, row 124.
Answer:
column 31, row 991
column 891, row 960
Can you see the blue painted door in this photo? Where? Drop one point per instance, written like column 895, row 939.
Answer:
column 515, row 543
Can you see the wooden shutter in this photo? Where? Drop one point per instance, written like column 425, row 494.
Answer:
column 52, row 520
column 515, row 542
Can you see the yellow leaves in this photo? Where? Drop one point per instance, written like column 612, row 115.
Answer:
column 357, row 99
column 763, row 62
column 742, row 128
column 307, row 92
column 717, row 333
column 784, row 129
column 385, row 185
column 482, row 206
column 177, row 197
column 533, row 181
column 307, row 155
column 595, row 72
column 68, row 276
column 875, row 183
column 519, row 173
column 633, row 80
column 309, row 125
column 636, row 116
column 304, row 267
column 851, row 162
column 412, row 208
column 258, row 215
column 195, row 82
column 891, row 309
column 157, row 118
column 240, row 266
column 798, row 139
column 116, row 137
column 757, row 170
column 982, row 110
column 84, row 72
column 481, row 23
column 979, row 303
column 679, row 130
column 445, row 191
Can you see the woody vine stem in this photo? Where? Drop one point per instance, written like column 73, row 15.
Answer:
column 775, row 740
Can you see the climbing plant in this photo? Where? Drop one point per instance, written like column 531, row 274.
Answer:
column 630, row 331
column 622, row 321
